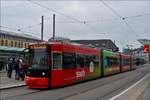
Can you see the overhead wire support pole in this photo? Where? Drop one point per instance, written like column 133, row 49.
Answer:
column 42, row 26
column 67, row 16
column 53, row 26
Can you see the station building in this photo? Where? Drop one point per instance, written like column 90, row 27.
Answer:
column 14, row 44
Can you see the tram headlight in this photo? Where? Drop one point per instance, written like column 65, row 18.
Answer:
column 43, row 73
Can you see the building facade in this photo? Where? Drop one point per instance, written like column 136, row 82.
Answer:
column 138, row 53
column 11, row 39
column 13, row 44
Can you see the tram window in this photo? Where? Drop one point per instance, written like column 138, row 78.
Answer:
column 96, row 61
column 88, row 59
column 107, row 61
column 126, row 61
column 69, row 60
column 115, row 61
column 39, row 59
column 111, row 61
column 80, row 60
column 57, row 61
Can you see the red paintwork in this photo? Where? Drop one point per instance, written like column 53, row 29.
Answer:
column 74, row 49
column 37, row 82
column 68, row 76
column 116, row 68
column 125, row 67
column 63, row 77
column 147, row 48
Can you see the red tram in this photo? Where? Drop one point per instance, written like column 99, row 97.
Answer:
column 56, row 64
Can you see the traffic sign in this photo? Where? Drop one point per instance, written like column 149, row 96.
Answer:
column 147, row 48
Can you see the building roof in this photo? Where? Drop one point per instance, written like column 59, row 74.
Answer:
column 21, row 35
column 101, row 43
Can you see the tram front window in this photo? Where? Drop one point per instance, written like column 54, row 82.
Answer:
column 39, row 59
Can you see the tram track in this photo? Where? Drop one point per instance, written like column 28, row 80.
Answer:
column 105, row 82
column 28, row 91
column 102, row 85
column 123, row 86
column 86, row 86
column 120, row 88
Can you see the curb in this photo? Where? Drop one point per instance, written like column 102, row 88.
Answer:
column 12, row 86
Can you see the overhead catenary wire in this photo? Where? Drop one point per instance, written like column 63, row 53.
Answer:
column 30, row 26
column 76, row 20
column 122, row 18
column 111, row 9
column 92, row 21
column 4, row 7
column 67, row 16
column 18, row 30
column 139, row 15
column 85, row 22
column 40, row 5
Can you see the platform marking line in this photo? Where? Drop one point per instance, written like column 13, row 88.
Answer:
column 113, row 98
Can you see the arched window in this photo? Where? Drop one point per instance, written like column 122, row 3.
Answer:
column 6, row 42
column 11, row 43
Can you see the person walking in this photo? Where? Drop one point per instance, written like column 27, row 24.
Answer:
column 21, row 69
column 1, row 66
column 9, row 68
column 16, row 68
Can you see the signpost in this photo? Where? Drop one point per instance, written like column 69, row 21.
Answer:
column 147, row 50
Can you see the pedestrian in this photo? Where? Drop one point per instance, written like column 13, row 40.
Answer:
column 9, row 68
column 13, row 62
column 0, row 65
column 21, row 69
column 16, row 68
column 24, row 67
column 3, row 66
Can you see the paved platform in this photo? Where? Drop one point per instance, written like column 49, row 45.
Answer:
column 132, row 85
column 138, row 91
column 6, row 83
column 145, row 95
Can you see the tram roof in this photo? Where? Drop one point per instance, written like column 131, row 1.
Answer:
column 61, row 43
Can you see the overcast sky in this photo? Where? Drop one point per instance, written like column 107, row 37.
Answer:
column 103, row 19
